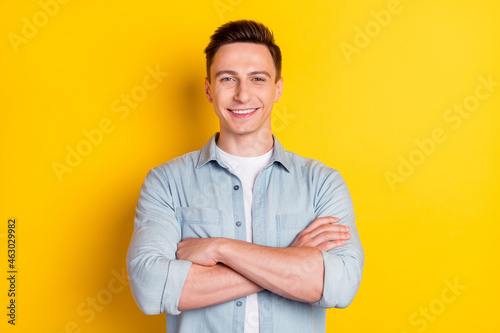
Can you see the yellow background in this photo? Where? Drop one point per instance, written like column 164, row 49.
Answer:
column 359, row 113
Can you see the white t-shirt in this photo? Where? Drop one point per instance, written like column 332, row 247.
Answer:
column 247, row 169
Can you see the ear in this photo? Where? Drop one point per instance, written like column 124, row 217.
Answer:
column 208, row 91
column 279, row 90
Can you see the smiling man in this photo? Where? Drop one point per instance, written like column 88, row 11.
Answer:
column 242, row 235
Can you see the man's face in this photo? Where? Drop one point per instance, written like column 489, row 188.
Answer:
column 243, row 88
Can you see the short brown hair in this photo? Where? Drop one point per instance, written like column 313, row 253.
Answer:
column 243, row 31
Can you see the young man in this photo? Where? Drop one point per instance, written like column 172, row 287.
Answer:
column 243, row 236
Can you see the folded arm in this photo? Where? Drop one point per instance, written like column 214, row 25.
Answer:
column 321, row 262
column 295, row 272
column 206, row 286
column 323, row 265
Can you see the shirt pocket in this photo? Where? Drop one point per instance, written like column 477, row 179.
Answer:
column 199, row 222
column 289, row 225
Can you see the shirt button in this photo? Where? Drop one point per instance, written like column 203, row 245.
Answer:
column 238, row 304
column 236, row 187
column 238, row 224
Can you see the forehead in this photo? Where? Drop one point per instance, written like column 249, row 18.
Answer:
column 243, row 57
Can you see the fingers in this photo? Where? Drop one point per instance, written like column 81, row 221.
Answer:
column 321, row 221
column 329, row 228
column 327, row 246
column 325, row 239
column 329, row 236
column 324, row 225
column 323, row 234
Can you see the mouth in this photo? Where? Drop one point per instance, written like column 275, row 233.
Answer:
column 243, row 112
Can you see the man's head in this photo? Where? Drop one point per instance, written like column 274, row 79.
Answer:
column 243, row 80
column 243, row 31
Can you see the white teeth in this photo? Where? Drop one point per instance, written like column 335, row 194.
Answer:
column 243, row 111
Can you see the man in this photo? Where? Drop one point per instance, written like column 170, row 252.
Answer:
column 243, row 236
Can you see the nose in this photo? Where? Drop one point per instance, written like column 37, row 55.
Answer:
column 242, row 93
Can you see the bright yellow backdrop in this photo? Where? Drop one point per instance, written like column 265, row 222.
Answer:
column 368, row 85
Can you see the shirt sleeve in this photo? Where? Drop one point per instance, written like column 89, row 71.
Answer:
column 344, row 264
column 156, row 277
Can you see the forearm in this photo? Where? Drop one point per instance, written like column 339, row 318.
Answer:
column 294, row 273
column 207, row 286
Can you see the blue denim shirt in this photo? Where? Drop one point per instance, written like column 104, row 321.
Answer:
column 196, row 195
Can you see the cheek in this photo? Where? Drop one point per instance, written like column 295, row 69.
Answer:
column 222, row 95
column 268, row 97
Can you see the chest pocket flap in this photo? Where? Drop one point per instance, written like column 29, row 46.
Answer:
column 199, row 222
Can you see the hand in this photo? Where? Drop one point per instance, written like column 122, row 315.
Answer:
column 322, row 234
column 201, row 251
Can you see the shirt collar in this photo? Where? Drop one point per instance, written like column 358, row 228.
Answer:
column 209, row 153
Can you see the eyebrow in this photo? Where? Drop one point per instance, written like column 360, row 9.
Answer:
column 236, row 74
column 261, row 73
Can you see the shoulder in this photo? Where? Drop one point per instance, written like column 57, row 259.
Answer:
column 309, row 166
column 181, row 165
column 324, row 182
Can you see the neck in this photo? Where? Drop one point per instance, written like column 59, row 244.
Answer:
column 246, row 145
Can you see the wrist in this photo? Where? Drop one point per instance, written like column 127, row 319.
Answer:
column 219, row 249
column 224, row 248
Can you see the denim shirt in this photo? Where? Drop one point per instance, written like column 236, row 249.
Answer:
column 196, row 195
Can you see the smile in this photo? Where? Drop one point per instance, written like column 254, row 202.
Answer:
column 242, row 111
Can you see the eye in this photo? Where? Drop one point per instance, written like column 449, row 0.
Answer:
column 226, row 79
column 259, row 79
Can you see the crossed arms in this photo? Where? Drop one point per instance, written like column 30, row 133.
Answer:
column 225, row 269
column 323, row 265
